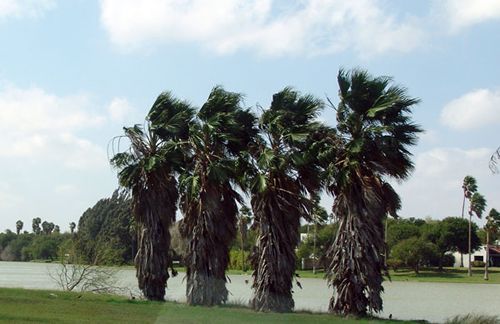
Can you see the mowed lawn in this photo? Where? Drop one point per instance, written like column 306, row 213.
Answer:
column 39, row 306
column 452, row 275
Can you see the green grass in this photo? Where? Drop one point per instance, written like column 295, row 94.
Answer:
column 40, row 306
column 451, row 275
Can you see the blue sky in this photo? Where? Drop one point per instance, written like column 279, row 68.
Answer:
column 72, row 73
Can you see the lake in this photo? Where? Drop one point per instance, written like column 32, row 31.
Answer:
column 434, row 302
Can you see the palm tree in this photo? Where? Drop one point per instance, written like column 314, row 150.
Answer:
column 36, row 225
column 476, row 207
column 492, row 226
column 72, row 227
column 494, row 161
column 19, row 226
column 147, row 170
column 284, row 175
column 469, row 186
column 375, row 127
column 217, row 142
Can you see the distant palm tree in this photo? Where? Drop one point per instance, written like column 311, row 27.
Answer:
column 216, row 145
column 19, row 226
column 477, row 206
column 494, row 161
column 469, row 187
column 36, row 225
column 72, row 227
column 284, row 174
column 375, row 127
column 148, row 169
column 492, row 227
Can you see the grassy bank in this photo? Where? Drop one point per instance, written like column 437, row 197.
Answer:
column 451, row 275
column 39, row 306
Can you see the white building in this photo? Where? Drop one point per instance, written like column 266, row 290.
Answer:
column 480, row 255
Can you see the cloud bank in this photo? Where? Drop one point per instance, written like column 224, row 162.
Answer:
column 271, row 28
column 473, row 110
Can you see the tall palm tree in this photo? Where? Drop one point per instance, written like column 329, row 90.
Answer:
column 217, row 141
column 469, row 187
column 476, row 207
column 19, row 226
column 284, row 175
column 375, row 127
column 36, row 225
column 494, row 161
column 147, row 170
column 492, row 226
column 72, row 227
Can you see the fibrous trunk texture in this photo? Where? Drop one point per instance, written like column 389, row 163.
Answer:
column 152, row 257
column 210, row 227
column 357, row 263
column 154, row 211
column 277, row 213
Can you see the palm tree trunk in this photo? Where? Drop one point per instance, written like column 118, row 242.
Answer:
column 152, row 257
column 314, row 247
column 274, row 259
column 212, row 228
column 487, row 261
column 469, row 271
column 461, row 254
column 357, row 263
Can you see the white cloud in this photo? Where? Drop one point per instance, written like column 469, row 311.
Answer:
column 119, row 109
column 25, row 8
column 65, row 189
column 465, row 13
column 472, row 110
column 435, row 187
column 269, row 27
column 41, row 126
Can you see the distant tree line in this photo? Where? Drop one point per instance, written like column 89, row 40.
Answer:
column 42, row 243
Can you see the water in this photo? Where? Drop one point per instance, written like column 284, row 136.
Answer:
column 434, row 302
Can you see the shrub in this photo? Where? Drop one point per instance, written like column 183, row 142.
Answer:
column 473, row 319
column 394, row 264
column 478, row 264
column 237, row 261
column 448, row 260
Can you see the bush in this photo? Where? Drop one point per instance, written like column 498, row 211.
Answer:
column 473, row 319
column 478, row 264
column 394, row 264
column 237, row 261
column 414, row 252
column 448, row 260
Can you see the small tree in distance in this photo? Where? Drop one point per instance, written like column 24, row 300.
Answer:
column 477, row 206
column 19, row 226
column 492, row 226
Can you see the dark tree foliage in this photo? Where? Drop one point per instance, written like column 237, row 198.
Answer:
column 450, row 234
column 107, row 226
column 36, row 225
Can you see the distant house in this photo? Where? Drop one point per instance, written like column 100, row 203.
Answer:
column 480, row 255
